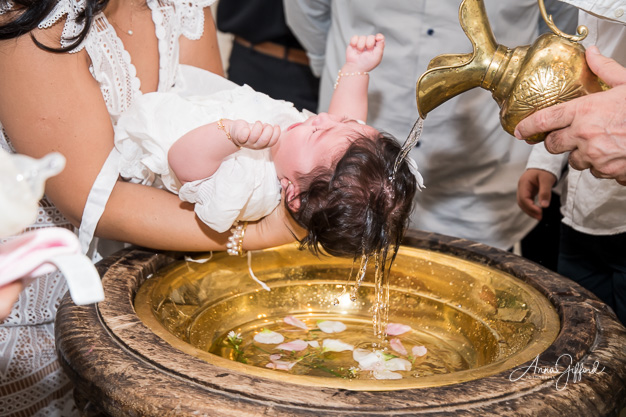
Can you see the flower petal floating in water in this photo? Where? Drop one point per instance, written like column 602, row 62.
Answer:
column 295, row 322
column 380, row 364
column 419, row 351
column 397, row 346
column 314, row 343
column 397, row 364
column 281, row 365
column 294, row 345
column 330, row 326
column 394, row 329
column 332, row 345
column 384, row 374
column 276, row 356
column 269, row 337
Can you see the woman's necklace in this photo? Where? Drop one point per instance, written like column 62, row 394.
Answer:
column 129, row 31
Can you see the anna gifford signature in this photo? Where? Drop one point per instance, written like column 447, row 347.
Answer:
column 563, row 369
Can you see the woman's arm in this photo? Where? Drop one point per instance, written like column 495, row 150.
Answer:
column 205, row 52
column 349, row 99
column 50, row 102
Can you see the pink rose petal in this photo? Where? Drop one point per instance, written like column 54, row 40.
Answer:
column 295, row 345
column 419, row 351
column 397, row 346
column 394, row 329
column 295, row 322
column 281, row 365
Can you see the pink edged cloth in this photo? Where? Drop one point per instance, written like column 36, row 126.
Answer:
column 45, row 250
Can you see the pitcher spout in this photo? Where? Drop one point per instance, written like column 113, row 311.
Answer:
column 452, row 74
column 522, row 80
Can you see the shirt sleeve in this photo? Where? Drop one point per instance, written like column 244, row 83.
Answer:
column 540, row 158
column 309, row 20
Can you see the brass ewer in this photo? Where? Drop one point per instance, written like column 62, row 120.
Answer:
column 523, row 80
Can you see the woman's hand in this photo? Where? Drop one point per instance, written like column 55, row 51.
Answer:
column 256, row 135
column 535, row 183
column 364, row 53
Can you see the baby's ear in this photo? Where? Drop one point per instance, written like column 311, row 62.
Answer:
column 293, row 201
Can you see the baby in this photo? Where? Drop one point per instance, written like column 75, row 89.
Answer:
column 332, row 170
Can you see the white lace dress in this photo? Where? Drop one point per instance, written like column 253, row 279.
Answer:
column 31, row 380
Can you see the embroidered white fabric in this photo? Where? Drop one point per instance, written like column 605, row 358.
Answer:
column 31, row 380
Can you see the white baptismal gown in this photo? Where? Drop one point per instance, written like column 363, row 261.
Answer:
column 245, row 186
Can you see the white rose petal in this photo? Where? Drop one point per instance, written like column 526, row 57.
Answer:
column 397, row 364
column 330, row 326
column 386, row 375
column 269, row 337
column 419, row 350
column 332, row 345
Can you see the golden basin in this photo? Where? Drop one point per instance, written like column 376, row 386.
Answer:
column 474, row 320
column 504, row 336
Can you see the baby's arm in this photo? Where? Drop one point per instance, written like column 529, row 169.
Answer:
column 350, row 97
column 198, row 153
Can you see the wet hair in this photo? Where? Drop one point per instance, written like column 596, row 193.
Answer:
column 25, row 16
column 355, row 208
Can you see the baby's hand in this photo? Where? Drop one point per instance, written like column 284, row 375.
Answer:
column 365, row 52
column 255, row 135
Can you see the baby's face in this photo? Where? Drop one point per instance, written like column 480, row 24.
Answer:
column 316, row 142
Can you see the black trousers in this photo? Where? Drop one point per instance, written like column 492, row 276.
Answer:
column 278, row 78
column 541, row 245
column 598, row 263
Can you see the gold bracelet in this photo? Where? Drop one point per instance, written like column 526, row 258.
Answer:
column 220, row 126
column 235, row 241
column 348, row 74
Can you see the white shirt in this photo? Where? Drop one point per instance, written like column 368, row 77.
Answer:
column 469, row 163
column 608, row 9
column 591, row 205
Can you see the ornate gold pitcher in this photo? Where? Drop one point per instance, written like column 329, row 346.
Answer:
column 523, row 80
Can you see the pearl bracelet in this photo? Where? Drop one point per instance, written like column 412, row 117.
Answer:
column 235, row 241
column 348, row 74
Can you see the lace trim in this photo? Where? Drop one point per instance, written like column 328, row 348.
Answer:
column 111, row 67
column 8, row 6
column 192, row 17
column 71, row 29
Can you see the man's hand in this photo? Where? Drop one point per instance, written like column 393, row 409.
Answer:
column 592, row 128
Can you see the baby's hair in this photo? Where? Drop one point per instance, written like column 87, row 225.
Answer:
column 353, row 208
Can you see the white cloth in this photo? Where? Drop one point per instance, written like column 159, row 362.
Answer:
column 244, row 187
column 469, row 164
column 31, row 379
column 589, row 204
